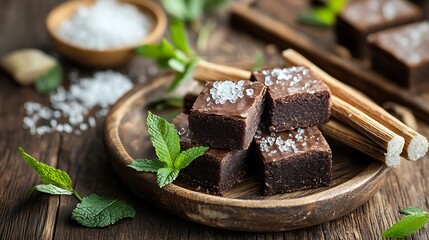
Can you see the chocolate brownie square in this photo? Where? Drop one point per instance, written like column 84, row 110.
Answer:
column 296, row 97
column 216, row 170
column 358, row 19
column 293, row 160
column 402, row 55
column 226, row 114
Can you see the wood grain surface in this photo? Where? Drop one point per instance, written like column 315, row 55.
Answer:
column 37, row 216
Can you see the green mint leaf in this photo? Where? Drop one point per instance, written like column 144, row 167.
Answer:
column 176, row 8
column 150, row 51
column 211, row 5
column 178, row 35
column 145, row 165
column 168, row 103
column 180, row 76
column 176, row 65
column 48, row 174
column 406, row 226
column 97, row 211
column 195, row 9
column 412, row 211
column 163, row 62
column 259, row 61
column 164, row 139
column 187, row 156
column 51, row 189
column 164, row 50
column 319, row 16
column 166, row 176
column 336, row 5
column 50, row 80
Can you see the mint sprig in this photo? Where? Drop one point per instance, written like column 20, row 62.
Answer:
column 414, row 220
column 98, row 211
column 170, row 160
column 176, row 55
column 324, row 16
column 93, row 211
column 190, row 10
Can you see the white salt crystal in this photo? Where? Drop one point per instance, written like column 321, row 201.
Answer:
column 91, row 121
column 221, row 92
column 105, row 25
column 68, row 109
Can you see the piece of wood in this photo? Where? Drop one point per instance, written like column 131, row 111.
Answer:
column 375, row 86
column 416, row 145
column 353, row 183
column 24, row 216
column 391, row 142
column 346, row 135
column 207, row 71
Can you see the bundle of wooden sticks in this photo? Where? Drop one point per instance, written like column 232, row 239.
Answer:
column 357, row 121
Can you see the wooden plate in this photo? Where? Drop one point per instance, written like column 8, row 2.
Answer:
column 356, row 179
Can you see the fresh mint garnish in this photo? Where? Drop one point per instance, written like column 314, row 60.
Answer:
column 165, row 176
column 51, row 189
column 414, row 220
column 411, row 211
column 176, row 55
column 147, row 165
column 50, row 80
column 170, row 160
column 190, row 10
column 93, row 211
column 322, row 15
column 98, row 211
column 48, row 174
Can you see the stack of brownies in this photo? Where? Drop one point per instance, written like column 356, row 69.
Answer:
column 392, row 34
column 268, row 123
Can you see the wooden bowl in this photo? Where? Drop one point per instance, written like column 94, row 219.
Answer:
column 355, row 179
column 102, row 58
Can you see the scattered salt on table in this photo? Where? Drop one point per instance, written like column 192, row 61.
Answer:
column 107, row 24
column 70, row 110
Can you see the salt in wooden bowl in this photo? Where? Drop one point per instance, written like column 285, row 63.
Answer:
column 102, row 58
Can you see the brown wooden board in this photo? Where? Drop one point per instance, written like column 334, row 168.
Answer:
column 37, row 216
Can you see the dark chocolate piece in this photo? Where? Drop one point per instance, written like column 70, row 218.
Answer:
column 358, row 19
column 296, row 97
column 226, row 114
column 214, row 172
column 402, row 55
column 293, row 160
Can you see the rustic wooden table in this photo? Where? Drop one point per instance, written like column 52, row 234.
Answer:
column 39, row 216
